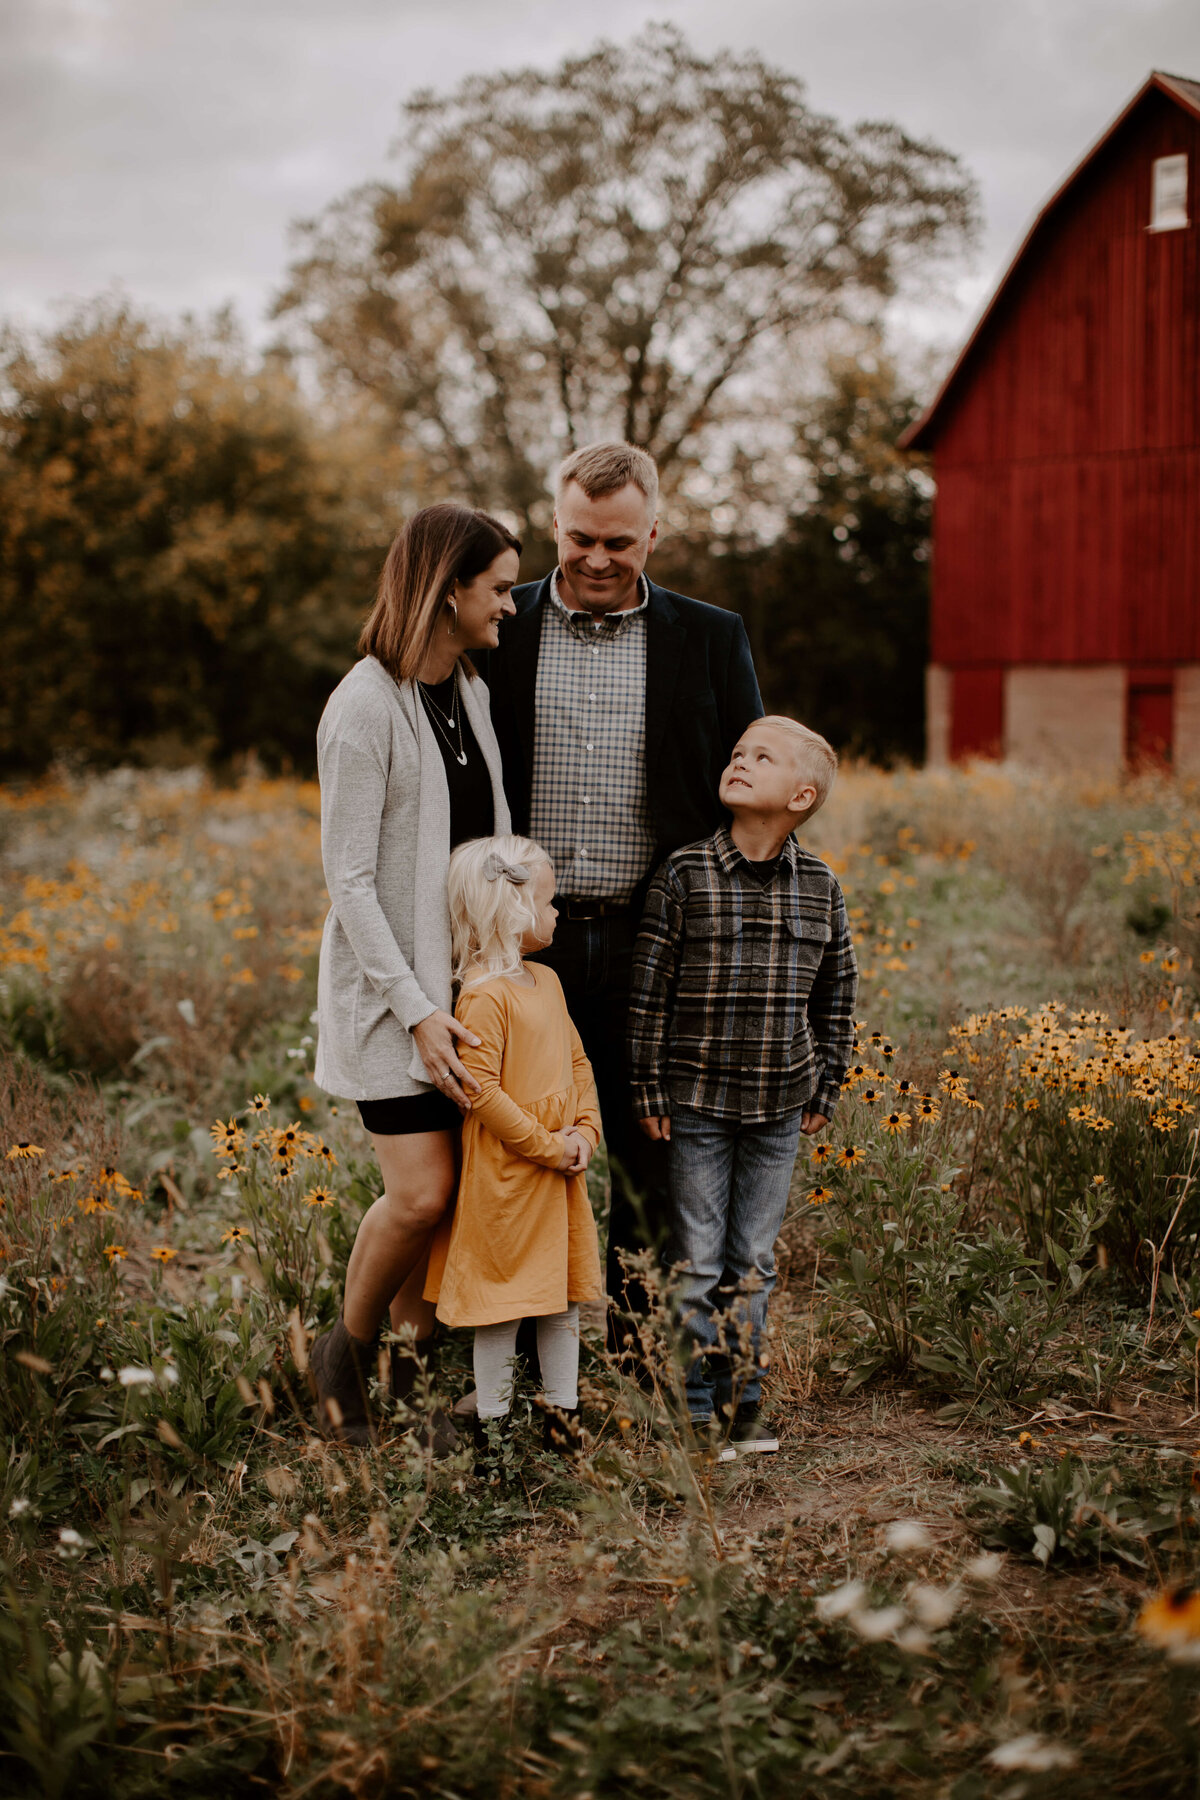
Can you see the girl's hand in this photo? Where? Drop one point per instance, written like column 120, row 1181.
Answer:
column 437, row 1038
column 577, row 1155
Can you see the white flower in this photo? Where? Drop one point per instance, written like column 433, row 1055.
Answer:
column 933, row 1606
column 170, row 1374
column 19, row 1506
column 905, row 1535
column 70, row 1537
column 1031, row 1752
column 985, row 1567
column 131, row 1376
column 913, row 1640
column 840, row 1600
column 878, row 1623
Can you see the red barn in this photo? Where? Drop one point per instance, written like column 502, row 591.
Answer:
column 1066, row 445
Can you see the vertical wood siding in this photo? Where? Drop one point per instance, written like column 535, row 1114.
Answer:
column 1067, row 522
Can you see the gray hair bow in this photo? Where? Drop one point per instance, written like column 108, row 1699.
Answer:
column 497, row 867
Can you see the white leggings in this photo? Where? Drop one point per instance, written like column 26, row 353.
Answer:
column 558, row 1353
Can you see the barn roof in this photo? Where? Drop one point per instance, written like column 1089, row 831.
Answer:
column 1180, row 88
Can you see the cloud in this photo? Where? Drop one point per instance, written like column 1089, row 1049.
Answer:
column 165, row 146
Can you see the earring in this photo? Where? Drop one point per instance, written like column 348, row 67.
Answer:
column 452, row 628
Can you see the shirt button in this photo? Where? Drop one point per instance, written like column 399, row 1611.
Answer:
column 583, row 854
column 591, row 696
column 587, row 800
column 595, row 649
column 591, row 746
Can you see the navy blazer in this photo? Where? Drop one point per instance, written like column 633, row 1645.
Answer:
column 701, row 693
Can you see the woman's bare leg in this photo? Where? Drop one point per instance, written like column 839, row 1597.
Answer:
column 409, row 1307
column 419, row 1176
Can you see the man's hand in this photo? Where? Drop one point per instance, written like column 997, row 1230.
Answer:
column 658, row 1129
column 811, row 1123
column 577, row 1155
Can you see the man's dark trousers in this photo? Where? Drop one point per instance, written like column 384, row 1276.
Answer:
column 593, row 959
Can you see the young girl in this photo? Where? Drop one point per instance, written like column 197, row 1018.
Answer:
column 522, row 1240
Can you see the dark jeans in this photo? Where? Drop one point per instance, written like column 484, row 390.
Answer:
column 593, row 959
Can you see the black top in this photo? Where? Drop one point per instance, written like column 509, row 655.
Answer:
column 763, row 870
column 701, row 694
column 472, row 808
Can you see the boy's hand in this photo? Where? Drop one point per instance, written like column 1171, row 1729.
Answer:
column 658, row 1129
column 811, row 1123
column 577, row 1155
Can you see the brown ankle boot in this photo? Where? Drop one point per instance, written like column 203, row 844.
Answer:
column 434, row 1431
column 341, row 1367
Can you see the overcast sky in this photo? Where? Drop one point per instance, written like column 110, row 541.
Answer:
column 164, row 146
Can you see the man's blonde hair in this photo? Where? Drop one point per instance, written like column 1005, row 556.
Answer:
column 490, row 894
column 601, row 469
column 815, row 757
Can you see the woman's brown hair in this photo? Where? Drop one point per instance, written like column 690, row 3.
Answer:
column 440, row 545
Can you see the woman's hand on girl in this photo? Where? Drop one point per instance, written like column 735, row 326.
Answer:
column 577, row 1155
column 437, row 1038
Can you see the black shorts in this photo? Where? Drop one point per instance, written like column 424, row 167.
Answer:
column 415, row 1112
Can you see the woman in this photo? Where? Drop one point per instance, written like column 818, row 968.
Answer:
column 409, row 768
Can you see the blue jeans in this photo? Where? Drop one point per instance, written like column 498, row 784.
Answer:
column 729, row 1191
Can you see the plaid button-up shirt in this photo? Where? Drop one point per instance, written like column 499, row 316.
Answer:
column 588, row 805
column 743, row 988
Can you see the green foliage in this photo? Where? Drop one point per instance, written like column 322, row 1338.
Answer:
column 837, row 610
column 1066, row 1508
column 178, row 576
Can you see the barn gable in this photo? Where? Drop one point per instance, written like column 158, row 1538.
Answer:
column 1066, row 445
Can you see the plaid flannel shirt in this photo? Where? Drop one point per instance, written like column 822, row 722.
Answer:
column 743, row 989
column 588, row 807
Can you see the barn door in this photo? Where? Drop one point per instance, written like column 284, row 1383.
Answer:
column 1150, row 722
column 977, row 713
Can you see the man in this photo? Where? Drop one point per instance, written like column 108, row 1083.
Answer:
column 616, row 705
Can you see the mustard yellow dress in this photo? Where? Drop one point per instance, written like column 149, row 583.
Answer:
column 521, row 1241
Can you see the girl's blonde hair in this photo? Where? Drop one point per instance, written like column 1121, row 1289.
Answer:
column 490, row 893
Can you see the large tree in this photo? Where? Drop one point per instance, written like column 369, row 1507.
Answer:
column 632, row 244
column 181, row 574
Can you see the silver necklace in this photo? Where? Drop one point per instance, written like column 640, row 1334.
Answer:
column 447, row 723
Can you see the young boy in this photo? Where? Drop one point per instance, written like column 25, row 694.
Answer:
column 741, row 1027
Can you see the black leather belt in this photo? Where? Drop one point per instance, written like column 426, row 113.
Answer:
column 580, row 910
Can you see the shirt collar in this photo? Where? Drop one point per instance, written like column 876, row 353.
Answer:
column 584, row 625
column 729, row 856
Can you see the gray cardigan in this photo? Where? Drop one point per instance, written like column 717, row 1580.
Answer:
column 385, row 844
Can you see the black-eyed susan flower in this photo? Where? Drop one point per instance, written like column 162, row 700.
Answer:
column 928, row 1111
column 1171, row 1621
column 897, row 1121
column 234, row 1235
column 24, row 1151
column 1163, row 1121
column 849, row 1156
column 970, row 1101
column 887, row 1052
column 1098, row 1122
column 318, row 1196
column 227, row 1137
column 870, row 1096
column 321, row 1149
column 817, row 1196
column 115, row 1253
column 1148, row 956
column 261, row 1103
column 822, row 1153
column 162, row 1253
column 905, row 1088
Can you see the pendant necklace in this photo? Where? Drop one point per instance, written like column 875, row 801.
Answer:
column 453, row 721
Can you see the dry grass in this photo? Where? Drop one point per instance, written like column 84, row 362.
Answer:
column 252, row 1607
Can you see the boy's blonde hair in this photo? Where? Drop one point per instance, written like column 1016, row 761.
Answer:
column 490, row 894
column 816, row 758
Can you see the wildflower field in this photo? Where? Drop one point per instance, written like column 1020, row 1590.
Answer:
column 967, row 1573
